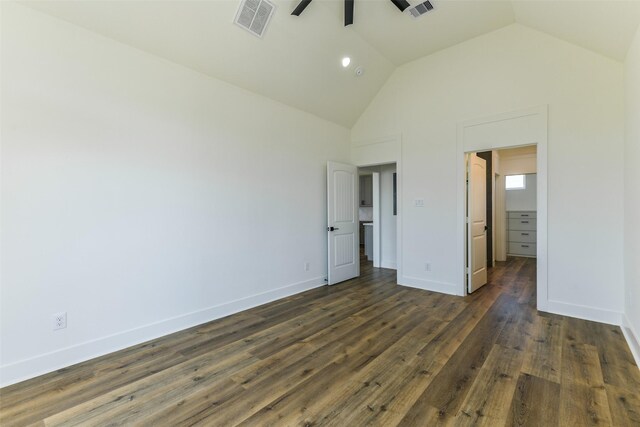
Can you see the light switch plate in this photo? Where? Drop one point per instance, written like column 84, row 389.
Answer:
column 60, row 320
column 419, row 203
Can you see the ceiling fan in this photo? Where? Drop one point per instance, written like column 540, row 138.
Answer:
column 348, row 8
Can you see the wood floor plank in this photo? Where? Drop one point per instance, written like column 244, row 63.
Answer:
column 580, row 364
column 125, row 404
column 536, row 402
column 616, row 360
column 624, row 405
column 264, row 334
column 283, row 378
column 583, row 405
column 544, row 349
column 190, row 408
column 428, row 362
column 580, row 331
column 451, row 385
column 291, row 408
column 249, row 400
column 364, row 395
column 487, row 402
column 57, row 398
column 517, row 331
column 290, row 371
column 353, row 325
column 364, row 352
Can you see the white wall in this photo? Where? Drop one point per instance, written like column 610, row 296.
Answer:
column 511, row 69
column 365, row 214
column 515, row 165
column 525, row 199
column 387, row 218
column 632, row 192
column 141, row 197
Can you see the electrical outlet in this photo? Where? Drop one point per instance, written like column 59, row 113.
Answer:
column 60, row 320
column 418, row 203
column 427, row 266
column 306, row 266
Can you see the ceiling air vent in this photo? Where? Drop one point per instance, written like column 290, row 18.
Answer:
column 421, row 9
column 254, row 15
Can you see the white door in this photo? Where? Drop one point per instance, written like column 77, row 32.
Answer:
column 477, row 222
column 342, row 222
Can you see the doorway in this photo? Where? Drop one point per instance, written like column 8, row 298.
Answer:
column 502, row 210
column 519, row 128
column 343, row 201
column 378, row 215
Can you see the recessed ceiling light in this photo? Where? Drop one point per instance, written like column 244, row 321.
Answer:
column 346, row 61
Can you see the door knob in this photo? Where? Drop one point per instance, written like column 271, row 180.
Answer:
column 332, row 228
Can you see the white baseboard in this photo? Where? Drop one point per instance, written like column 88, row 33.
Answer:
column 428, row 285
column 632, row 337
column 584, row 312
column 48, row 362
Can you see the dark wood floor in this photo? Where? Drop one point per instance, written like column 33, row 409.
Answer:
column 365, row 352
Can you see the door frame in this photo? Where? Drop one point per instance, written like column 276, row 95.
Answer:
column 512, row 129
column 377, row 226
column 382, row 151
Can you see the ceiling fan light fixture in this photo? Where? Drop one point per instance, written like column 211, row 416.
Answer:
column 401, row 4
column 301, row 7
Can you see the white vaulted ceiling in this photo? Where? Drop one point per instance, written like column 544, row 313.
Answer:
column 606, row 27
column 298, row 60
column 402, row 38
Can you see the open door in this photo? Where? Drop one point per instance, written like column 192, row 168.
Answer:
column 342, row 222
column 477, row 222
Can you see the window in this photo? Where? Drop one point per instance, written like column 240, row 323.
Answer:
column 515, row 182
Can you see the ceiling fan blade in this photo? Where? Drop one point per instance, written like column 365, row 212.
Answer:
column 301, row 7
column 401, row 4
column 348, row 12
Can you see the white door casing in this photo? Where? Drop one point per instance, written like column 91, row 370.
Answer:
column 377, row 226
column 477, row 224
column 379, row 151
column 342, row 222
column 495, row 132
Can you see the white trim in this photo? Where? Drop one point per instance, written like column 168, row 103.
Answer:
column 48, row 362
column 632, row 337
column 375, row 176
column 429, row 285
column 584, row 312
column 536, row 119
column 399, row 212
